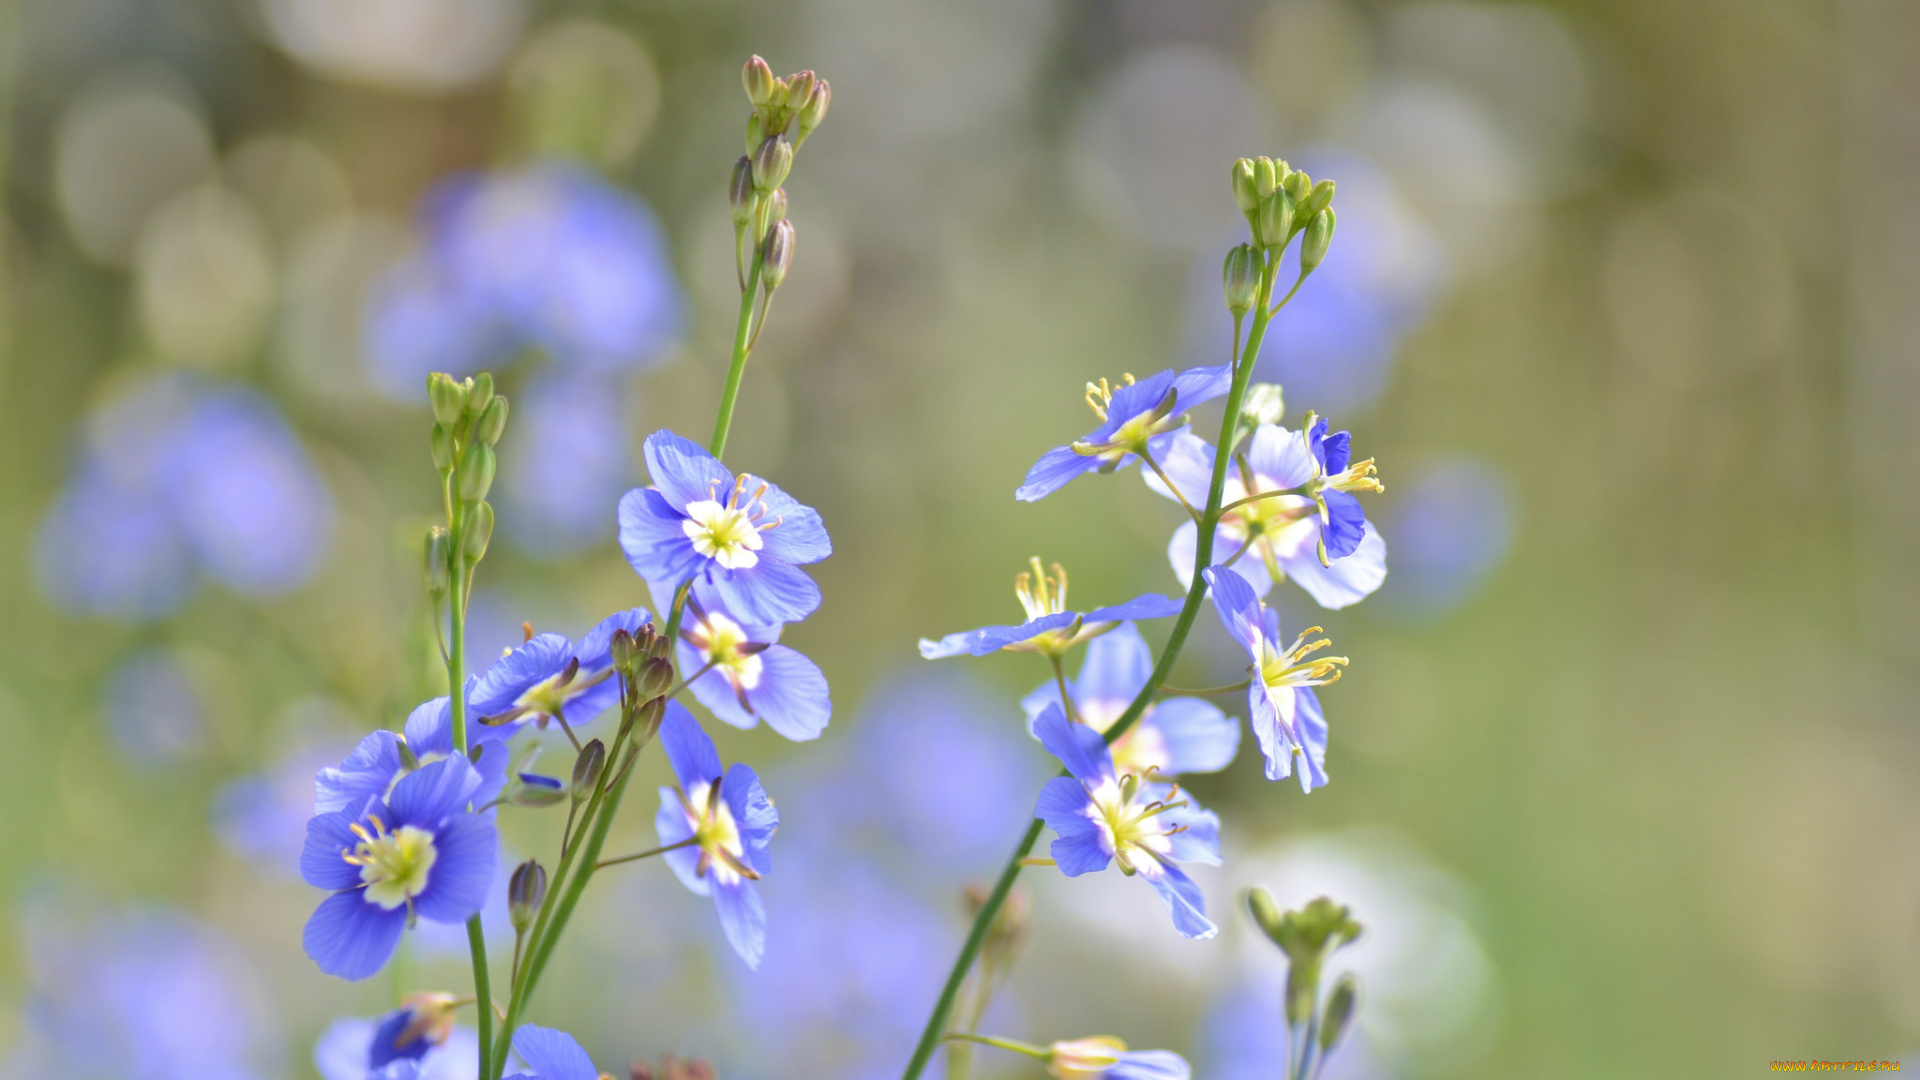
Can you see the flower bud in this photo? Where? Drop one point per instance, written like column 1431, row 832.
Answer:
column 477, row 532
column 476, row 472
column 1265, row 179
column 740, row 193
column 1274, row 225
column 756, row 133
column 1244, row 194
column 1338, row 1015
column 656, row 678
column 1318, row 199
column 1298, row 184
column 659, row 645
column 439, row 562
column 758, row 80
column 479, row 393
column 533, row 791
column 770, row 209
column 1241, row 279
column 620, row 649
column 814, row 108
column 1266, row 913
column 771, row 162
column 525, row 892
column 799, row 85
column 492, row 423
column 449, row 398
column 442, row 448
column 1313, row 245
column 587, row 768
column 1084, row 1059
column 646, row 720
column 779, row 255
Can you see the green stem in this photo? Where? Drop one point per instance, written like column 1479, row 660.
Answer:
column 742, row 345
column 1030, row 1050
column 1202, row 558
column 457, row 709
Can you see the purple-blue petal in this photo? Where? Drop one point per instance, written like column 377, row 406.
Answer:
column 468, row 850
column 1311, row 723
column 1280, row 458
column 432, row 792
column 1052, row 472
column 372, row 766
column 1198, row 737
column 350, row 938
column 1079, row 747
column 743, row 916
column 329, row 837
column 766, row 592
column 652, row 537
column 1239, row 609
column 683, row 471
column 1345, row 525
column 800, row 538
column 1150, row 1065
column 1078, row 847
column 792, row 696
column 553, row 1055
column 1182, row 897
column 1147, row 606
column 689, row 751
column 670, row 823
column 1348, row 581
column 753, row 814
column 990, row 639
column 542, row 657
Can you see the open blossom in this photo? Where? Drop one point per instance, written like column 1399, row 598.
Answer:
column 377, row 763
column 1103, row 1057
column 1308, row 526
column 1133, row 416
column 1172, row 737
column 1284, row 709
column 739, row 536
column 549, row 676
column 750, row 676
column 725, row 821
column 1101, row 816
column 551, row 1055
column 1050, row 629
column 418, row 852
column 419, row 1040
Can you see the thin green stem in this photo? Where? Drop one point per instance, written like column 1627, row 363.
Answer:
column 456, row 655
column 647, row 854
column 1205, row 690
column 1203, row 554
column 742, row 345
column 1030, row 1050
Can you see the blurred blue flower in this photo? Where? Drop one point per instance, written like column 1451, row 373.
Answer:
column 152, row 708
column 567, row 462
column 1133, row 416
column 1453, row 524
column 1285, row 712
column 139, row 995
column 741, row 537
column 418, row 852
column 1101, row 816
column 547, row 675
column 420, row 1033
column 551, row 1055
column 183, row 476
column 750, row 676
column 549, row 256
column 262, row 817
column 1173, row 736
column 1050, row 628
column 726, row 824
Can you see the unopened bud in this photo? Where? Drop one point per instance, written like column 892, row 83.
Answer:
column 1318, row 199
column 1298, row 184
column 1265, row 912
column 620, row 649
column 799, row 85
column 756, row 133
column 449, row 398
column 771, row 162
column 770, row 209
column 492, row 423
column 779, row 255
column 656, row 677
column 1240, row 277
column 646, row 720
column 814, row 108
column 442, row 448
column 477, row 532
column 1265, row 179
column 476, row 472
column 587, row 768
column 659, row 645
column 533, row 791
column 1084, row 1059
column 740, row 193
column 525, row 892
column 1244, row 193
column 758, row 80
column 439, row 564
column 1275, row 222
column 1338, row 1015
column 479, row 393
column 1313, row 245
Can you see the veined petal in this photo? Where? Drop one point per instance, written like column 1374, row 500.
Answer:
column 1270, row 729
column 467, row 849
column 1239, row 609
column 1150, row 1065
column 1132, row 400
column 328, row 837
column 1280, row 457
column 432, row 792
column 651, row 536
column 1199, row 842
column 542, row 657
column 350, row 938
column 1198, row 737
column 688, row 749
column 801, row 537
column 1118, row 664
column 1346, row 523
column 1182, row 897
column 367, row 771
column 1146, row 606
column 743, row 916
column 1052, row 472
column 595, row 651
column 1349, row 580
column 1311, row 723
column 990, row 639
column 1336, row 450
column 1079, row 747
column 670, row 822
column 1068, row 810
column 766, row 592
column 753, row 814
column 1198, row 385
column 683, row 470
column 553, row 1055
column 1187, row 459
column 792, row 696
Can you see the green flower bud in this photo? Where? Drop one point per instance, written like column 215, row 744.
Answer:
column 768, row 211
column 1298, row 184
column 1240, row 277
column 479, row 393
column 758, row 80
column 525, row 892
column 541, row 792
column 779, row 255
column 1266, row 913
column 1245, row 194
column 449, row 398
column 493, row 421
column 476, row 472
column 1313, row 244
column 621, row 649
column 655, row 677
column 646, row 720
column 800, row 84
column 1274, row 226
column 1265, row 178
column 756, row 132
column 740, row 192
column 771, row 162
column 659, row 646
column 814, row 108
column 586, row 769
column 1338, row 1016
column 477, row 532
column 439, row 562
column 1318, row 199
column 442, row 449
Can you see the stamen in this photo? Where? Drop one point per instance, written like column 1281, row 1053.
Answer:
column 526, row 630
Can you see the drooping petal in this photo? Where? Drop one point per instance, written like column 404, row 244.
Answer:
column 1118, row 664
column 1182, row 897
column 1198, row 737
column 542, row 657
column 1336, row 450
column 468, row 849
column 1052, row 472
column 1147, row 606
column 553, row 1055
column 684, row 471
column 670, row 822
column 655, row 544
column 1079, row 847
column 328, row 838
column 1270, row 727
column 1198, row 385
column 766, row 592
column 743, row 916
column 1280, row 458
column 1239, row 609
column 1079, row 747
column 1311, row 723
column 688, row 749
column 350, row 938
column 366, row 772
column 753, row 814
column 1349, row 580
column 1346, row 523
column 990, row 639
column 801, row 537
column 432, row 792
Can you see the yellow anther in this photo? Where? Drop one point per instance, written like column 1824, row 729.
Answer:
column 1100, row 394
column 1039, row 593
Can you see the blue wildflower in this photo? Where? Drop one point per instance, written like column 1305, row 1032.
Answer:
column 568, row 460
column 740, row 537
column 750, row 676
column 1050, row 629
column 1285, row 712
column 417, row 852
column 725, row 824
column 1103, row 1057
column 377, row 764
column 551, row 1055
column 421, row 1034
column 1172, row 737
column 1307, row 525
column 549, row 676
column 1135, row 418
column 1100, row 816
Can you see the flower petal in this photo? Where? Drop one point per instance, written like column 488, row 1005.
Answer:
column 753, row 813
column 1187, row 459
column 683, row 471
column 553, row 1055
column 373, row 765
column 743, row 916
column 990, row 639
column 1311, row 723
column 542, row 657
column 350, row 938
column 670, row 822
column 1182, row 897
column 1146, row 606
column 688, row 748
column 1349, row 580
column 468, row 850
column 1198, row 737
column 1079, row 747
column 766, row 592
column 1239, row 609
column 655, row 544
column 432, row 792
column 1150, row 1065
column 792, row 696
column 1052, row 472
column 329, row 837
column 801, row 537
column 1065, row 806
column 1346, row 523
column 1201, row 384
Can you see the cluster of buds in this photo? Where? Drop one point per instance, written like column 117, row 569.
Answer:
column 758, row 203
column 1307, row 937
column 468, row 420
column 640, row 659
column 1279, row 203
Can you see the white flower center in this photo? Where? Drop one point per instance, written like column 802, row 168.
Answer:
column 1128, row 826
column 719, row 639
column 393, row 865
column 715, row 833
column 725, row 534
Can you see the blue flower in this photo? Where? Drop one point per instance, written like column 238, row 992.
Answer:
column 1285, row 712
column 1102, row 816
column 1134, row 417
column 417, row 852
column 376, row 764
column 1050, row 629
column 152, row 708
column 548, row 676
column 725, row 823
column 419, row 1038
column 750, row 676
column 740, row 537
column 1172, row 737
column 1317, row 534
column 1103, row 1057
column 551, row 1055
column 567, row 460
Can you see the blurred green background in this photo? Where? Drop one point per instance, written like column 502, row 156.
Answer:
column 1617, row 769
